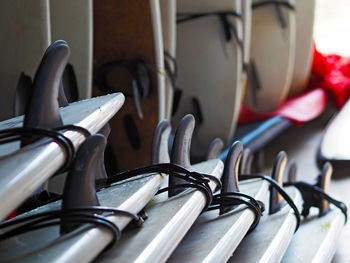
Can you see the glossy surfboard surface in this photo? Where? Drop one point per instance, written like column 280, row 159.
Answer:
column 26, row 29
column 167, row 223
column 305, row 16
column 334, row 146
column 272, row 44
column 321, row 233
column 130, row 30
column 86, row 242
column 72, row 22
column 29, row 167
column 210, row 70
column 270, row 239
column 214, row 237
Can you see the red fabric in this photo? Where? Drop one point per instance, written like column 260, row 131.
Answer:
column 330, row 79
column 298, row 109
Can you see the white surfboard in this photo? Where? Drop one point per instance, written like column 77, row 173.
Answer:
column 272, row 54
column 270, row 239
column 214, row 237
column 29, row 167
column 167, row 223
column 305, row 15
column 321, row 233
column 210, row 70
column 72, row 22
column 25, row 27
column 45, row 245
column 168, row 15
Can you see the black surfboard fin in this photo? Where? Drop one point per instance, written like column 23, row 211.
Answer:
column 279, row 166
column 215, row 148
column 323, row 182
column 101, row 174
column 292, row 171
column 79, row 189
column 246, row 162
column 230, row 175
column 23, row 94
column 43, row 109
column 180, row 152
column 160, row 146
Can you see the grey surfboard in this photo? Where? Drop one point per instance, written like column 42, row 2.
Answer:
column 29, row 167
column 167, row 223
column 214, row 237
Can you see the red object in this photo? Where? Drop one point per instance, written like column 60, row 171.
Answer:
column 299, row 109
column 330, row 79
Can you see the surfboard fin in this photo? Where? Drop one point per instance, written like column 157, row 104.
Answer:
column 43, row 109
column 180, row 152
column 160, row 149
column 277, row 174
column 246, row 162
column 230, row 175
column 79, row 189
column 215, row 149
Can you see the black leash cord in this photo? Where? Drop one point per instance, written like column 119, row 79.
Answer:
column 228, row 28
column 279, row 3
column 193, row 179
column 306, row 187
column 279, row 189
column 237, row 198
column 89, row 214
column 15, row 134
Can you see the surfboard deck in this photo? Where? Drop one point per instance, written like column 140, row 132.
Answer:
column 25, row 40
column 167, row 223
column 270, row 239
column 321, row 234
column 72, row 22
column 29, row 167
column 305, row 15
column 168, row 16
column 86, row 242
column 131, row 30
column 213, row 238
column 210, row 71
column 275, row 46
column 334, row 146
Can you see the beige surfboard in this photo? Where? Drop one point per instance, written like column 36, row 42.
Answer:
column 305, row 16
column 210, row 69
column 272, row 54
column 25, row 27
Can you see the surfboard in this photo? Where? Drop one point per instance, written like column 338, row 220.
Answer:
column 271, row 237
column 127, row 41
column 247, row 27
column 305, row 16
column 334, row 147
column 209, row 68
column 168, row 15
column 214, row 237
column 72, row 22
column 167, row 223
column 321, row 233
column 88, row 241
column 272, row 43
column 26, row 30
column 322, row 227
column 29, row 167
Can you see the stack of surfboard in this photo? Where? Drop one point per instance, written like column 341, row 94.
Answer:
column 220, row 50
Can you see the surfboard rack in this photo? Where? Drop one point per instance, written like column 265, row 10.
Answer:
column 276, row 201
column 180, row 152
